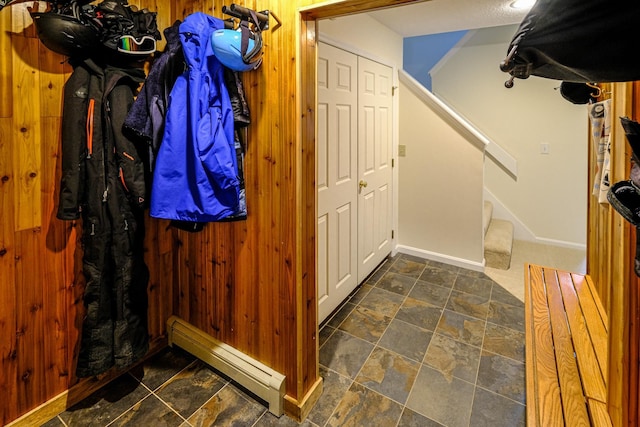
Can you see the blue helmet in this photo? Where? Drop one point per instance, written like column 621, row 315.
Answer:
column 238, row 50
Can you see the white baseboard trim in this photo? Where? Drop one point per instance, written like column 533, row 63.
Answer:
column 258, row 378
column 561, row 243
column 520, row 230
column 447, row 259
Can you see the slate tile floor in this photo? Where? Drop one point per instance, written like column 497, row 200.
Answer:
column 420, row 344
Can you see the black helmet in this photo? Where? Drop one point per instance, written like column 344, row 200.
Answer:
column 127, row 30
column 4, row 3
column 68, row 31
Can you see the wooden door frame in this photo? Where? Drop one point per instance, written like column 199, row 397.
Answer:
column 307, row 81
column 306, row 212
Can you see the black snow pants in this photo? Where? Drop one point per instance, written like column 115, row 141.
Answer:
column 103, row 181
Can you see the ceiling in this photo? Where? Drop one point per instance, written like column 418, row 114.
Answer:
column 442, row 16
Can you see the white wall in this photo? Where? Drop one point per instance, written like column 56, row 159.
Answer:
column 550, row 193
column 364, row 36
column 440, row 188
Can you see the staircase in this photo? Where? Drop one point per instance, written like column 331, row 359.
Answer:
column 498, row 240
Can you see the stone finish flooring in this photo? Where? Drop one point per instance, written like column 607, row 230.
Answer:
column 419, row 344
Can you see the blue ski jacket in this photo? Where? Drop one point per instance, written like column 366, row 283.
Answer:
column 196, row 172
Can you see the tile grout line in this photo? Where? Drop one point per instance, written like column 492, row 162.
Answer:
column 375, row 345
column 403, row 406
column 422, row 363
column 153, row 393
column 150, row 393
column 502, row 396
column 135, row 403
column 61, row 420
column 484, row 336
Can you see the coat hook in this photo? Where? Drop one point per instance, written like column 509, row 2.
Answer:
column 597, row 88
column 245, row 14
column 278, row 21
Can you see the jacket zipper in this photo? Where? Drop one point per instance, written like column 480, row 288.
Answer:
column 106, row 132
column 90, row 111
column 124, row 184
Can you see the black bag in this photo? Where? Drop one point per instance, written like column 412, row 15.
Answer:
column 577, row 41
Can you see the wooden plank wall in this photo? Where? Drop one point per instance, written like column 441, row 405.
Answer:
column 41, row 281
column 245, row 283
column 610, row 253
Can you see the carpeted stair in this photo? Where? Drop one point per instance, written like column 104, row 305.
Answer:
column 498, row 240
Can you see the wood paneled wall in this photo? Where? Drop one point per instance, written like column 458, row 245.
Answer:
column 244, row 283
column 41, row 282
column 250, row 284
column 611, row 248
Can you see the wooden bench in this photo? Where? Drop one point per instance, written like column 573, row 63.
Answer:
column 566, row 331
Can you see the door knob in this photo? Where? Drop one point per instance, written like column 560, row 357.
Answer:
column 362, row 184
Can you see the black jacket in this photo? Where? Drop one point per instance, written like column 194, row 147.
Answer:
column 95, row 96
column 146, row 118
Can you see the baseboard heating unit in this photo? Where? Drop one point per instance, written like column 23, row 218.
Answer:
column 256, row 377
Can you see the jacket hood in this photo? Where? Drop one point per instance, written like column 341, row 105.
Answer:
column 195, row 34
column 172, row 36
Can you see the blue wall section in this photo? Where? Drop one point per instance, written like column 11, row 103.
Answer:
column 422, row 53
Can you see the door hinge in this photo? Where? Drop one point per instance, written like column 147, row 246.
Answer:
column 393, row 90
column 392, row 233
column 393, row 162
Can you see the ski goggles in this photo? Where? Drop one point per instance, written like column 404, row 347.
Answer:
column 145, row 45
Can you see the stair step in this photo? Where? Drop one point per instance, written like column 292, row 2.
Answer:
column 498, row 243
column 486, row 215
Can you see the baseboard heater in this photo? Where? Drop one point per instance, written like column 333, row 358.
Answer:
column 256, row 377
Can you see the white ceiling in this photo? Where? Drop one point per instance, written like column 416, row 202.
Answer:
column 442, row 16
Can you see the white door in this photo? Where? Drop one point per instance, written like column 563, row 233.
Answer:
column 337, row 177
column 353, row 149
column 375, row 124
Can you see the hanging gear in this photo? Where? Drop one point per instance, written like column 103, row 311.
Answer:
column 241, row 113
column 77, row 29
column 102, row 181
column 197, row 156
column 632, row 132
column 69, row 30
column 241, row 49
column 577, row 93
column 146, row 119
column 126, row 30
column 4, row 3
column 577, row 41
column 624, row 196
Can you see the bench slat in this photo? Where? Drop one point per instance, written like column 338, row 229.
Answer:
column 588, row 290
column 599, row 414
column 590, row 373
column 543, row 390
column 573, row 401
column 566, row 337
column 597, row 320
